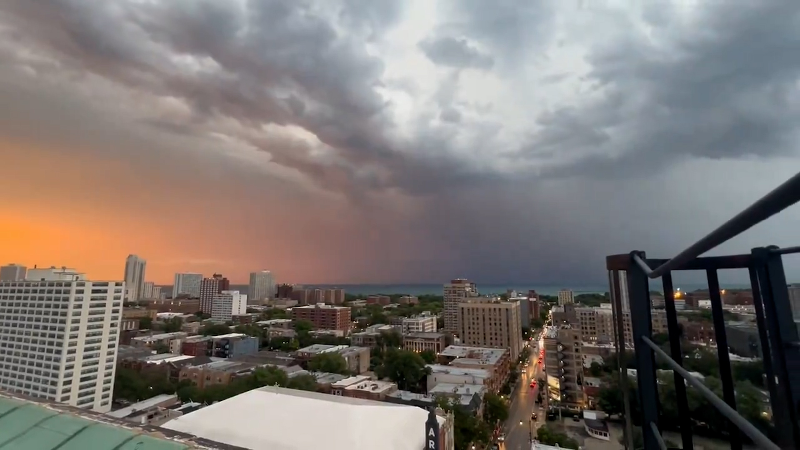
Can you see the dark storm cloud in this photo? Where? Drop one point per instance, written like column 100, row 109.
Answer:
column 449, row 51
column 726, row 89
column 723, row 88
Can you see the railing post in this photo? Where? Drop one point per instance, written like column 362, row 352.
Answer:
column 784, row 345
column 723, row 353
column 641, row 324
column 677, row 355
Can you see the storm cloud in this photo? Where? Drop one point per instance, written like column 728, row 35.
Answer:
column 408, row 140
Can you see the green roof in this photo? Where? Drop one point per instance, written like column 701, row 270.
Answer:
column 26, row 425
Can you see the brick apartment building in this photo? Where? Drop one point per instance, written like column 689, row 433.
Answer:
column 324, row 317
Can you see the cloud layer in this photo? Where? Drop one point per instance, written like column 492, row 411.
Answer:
column 397, row 140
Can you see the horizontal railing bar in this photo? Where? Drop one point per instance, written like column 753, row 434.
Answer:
column 623, row 262
column 744, row 426
column 659, row 438
column 785, row 251
column 782, row 197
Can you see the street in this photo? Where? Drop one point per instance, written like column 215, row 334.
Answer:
column 517, row 437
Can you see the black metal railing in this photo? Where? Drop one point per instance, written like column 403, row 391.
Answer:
column 777, row 331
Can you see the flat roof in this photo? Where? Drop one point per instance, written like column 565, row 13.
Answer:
column 425, row 335
column 375, row 386
column 158, row 337
column 457, row 389
column 344, row 382
column 440, row 368
column 475, row 355
column 267, row 418
column 37, row 424
column 321, row 348
column 141, row 406
column 165, row 358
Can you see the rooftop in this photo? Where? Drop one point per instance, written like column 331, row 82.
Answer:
column 321, row 348
column 373, row 386
column 266, row 418
column 475, row 355
column 141, row 406
column 160, row 337
column 439, row 368
column 349, row 381
column 227, row 366
column 428, row 335
column 165, row 358
column 321, row 306
column 35, row 424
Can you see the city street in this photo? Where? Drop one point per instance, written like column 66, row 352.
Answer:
column 522, row 405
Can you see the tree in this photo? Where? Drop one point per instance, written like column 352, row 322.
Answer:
column 428, row 355
column 303, row 326
column 329, row 362
column 161, row 348
column 495, row 409
column 596, row 369
column 215, row 330
column 250, row 330
column 467, row 429
column 303, row 383
column 145, row 323
column 173, row 325
column 404, row 367
column 549, row 436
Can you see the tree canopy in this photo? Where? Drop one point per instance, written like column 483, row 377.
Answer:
column 329, row 362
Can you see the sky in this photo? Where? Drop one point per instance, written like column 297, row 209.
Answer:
column 391, row 141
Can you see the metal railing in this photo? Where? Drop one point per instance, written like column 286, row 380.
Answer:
column 777, row 331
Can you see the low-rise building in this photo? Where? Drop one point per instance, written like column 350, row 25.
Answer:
column 420, row 342
column 369, row 337
column 215, row 373
column 467, row 395
column 170, row 340
column 496, row 361
column 184, row 305
column 324, row 317
column 382, row 300
column 370, row 390
column 459, row 375
column 357, row 359
column 408, row 300
column 423, row 323
column 154, row 411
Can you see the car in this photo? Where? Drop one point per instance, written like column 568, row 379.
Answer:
column 501, row 438
column 533, row 384
column 533, row 416
column 576, row 419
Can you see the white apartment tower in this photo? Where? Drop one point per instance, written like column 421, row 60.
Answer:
column 188, row 284
column 262, row 286
column 455, row 292
column 148, row 289
column 566, row 297
column 12, row 272
column 58, row 337
column 134, row 277
column 227, row 304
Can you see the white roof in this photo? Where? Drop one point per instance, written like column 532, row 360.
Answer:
column 141, row 406
column 267, row 418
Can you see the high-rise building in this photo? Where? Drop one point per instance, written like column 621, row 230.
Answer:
column 211, row 287
column 134, row 277
column 187, row 284
column 262, row 286
column 284, row 291
column 148, row 290
column 491, row 323
column 455, row 292
column 12, row 272
column 156, row 292
column 70, row 327
column 563, row 364
column 565, row 297
column 227, row 304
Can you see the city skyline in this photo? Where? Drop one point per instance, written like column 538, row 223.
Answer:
column 390, row 142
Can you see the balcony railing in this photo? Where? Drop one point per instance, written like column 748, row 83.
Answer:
column 777, row 331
